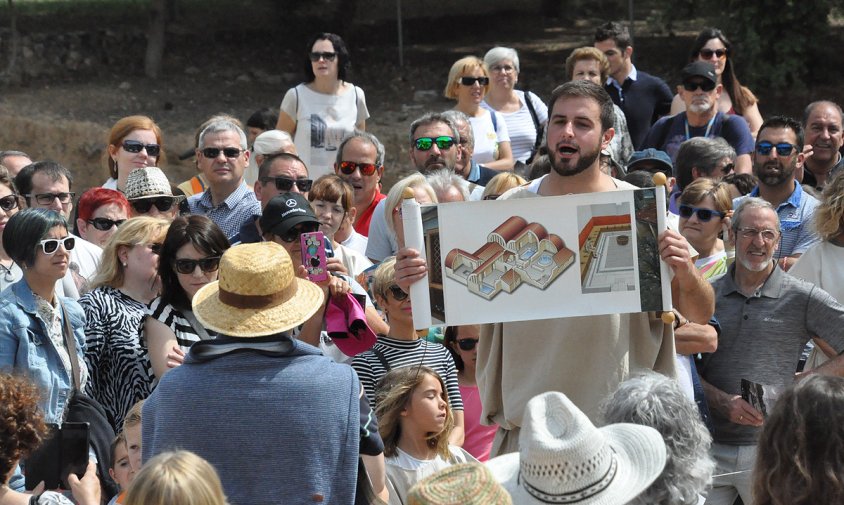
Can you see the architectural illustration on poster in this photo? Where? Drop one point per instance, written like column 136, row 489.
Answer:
column 515, row 252
column 607, row 258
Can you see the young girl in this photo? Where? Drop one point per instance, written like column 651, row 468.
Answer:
column 415, row 422
column 120, row 470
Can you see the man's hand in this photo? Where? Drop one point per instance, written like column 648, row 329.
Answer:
column 739, row 411
column 334, row 265
column 410, row 267
column 674, row 250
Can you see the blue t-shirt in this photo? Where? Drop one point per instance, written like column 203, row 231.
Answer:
column 669, row 132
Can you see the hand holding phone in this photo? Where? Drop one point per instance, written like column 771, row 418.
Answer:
column 313, row 255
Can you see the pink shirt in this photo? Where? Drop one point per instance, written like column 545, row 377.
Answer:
column 478, row 437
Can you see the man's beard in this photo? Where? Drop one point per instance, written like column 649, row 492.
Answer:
column 774, row 179
column 565, row 167
column 700, row 108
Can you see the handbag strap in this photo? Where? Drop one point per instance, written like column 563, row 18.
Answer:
column 539, row 129
column 382, row 359
column 70, row 344
column 198, row 328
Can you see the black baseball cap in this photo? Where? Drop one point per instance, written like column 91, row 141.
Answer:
column 285, row 211
column 703, row 69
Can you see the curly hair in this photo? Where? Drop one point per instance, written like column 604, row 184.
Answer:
column 22, row 425
column 651, row 399
column 800, row 456
column 392, row 396
column 830, row 213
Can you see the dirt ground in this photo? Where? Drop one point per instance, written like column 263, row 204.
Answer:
column 68, row 120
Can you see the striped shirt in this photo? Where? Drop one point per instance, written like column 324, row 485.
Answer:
column 173, row 318
column 241, row 205
column 521, row 127
column 402, row 353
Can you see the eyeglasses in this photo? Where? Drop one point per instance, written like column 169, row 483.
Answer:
column 9, row 202
column 491, row 197
column 286, row 183
column 468, row 81
column 156, row 248
column 502, row 68
column 694, row 85
column 707, row 54
column 349, row 167
column 51, row 245
column 133, row 146
column 188, row 266
column 751, row 233
column 228, row 152
column 783, row 148
column 48, row 198
column 398, row 293
column 467, row 344
column 292, row 235
column 728, row 168
column 105, row 224
column 162, row 203
column 704, row 215
column 325, row 56
column 425, row 143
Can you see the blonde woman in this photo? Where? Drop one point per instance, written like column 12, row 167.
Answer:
column 118, row 362
column 176, row 478
column 501, row 184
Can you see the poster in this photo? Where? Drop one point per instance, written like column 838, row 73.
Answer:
column 540, row 258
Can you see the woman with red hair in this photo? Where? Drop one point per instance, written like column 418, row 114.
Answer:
column 98, row 214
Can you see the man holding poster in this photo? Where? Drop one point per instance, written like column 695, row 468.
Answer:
column 585, row 357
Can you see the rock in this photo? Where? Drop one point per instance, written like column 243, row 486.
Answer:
column 243, row 78
column 425, row 95
column 125, row 85
column 192, row 70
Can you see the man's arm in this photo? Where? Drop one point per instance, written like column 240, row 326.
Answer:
column 693, row 338
column 691, row 294
column 732, row 407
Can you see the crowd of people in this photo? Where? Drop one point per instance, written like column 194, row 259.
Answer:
column 185, row 321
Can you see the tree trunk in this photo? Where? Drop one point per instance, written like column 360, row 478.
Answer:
column 12, row 72
column 155, row 38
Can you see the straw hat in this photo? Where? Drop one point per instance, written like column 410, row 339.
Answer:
column 148, row 182
column 564, row 458
column 257, row 293
column 463, row 484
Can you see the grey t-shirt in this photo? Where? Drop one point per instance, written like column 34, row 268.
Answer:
column 762, row 337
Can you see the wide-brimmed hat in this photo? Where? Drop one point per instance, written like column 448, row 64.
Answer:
column 285, row 211
column 148, row 182
column 257, row 293
column 564, row 458
column 463, row 484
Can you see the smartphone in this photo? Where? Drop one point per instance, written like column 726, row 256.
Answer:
column 313, row 255
column 63, row 451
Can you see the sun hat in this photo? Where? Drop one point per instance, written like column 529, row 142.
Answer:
column 564, row 458
column 257, row 293
column 462, row 484
column 703, row 69
column 285, row 211
column 148, row 182
column 345, row 323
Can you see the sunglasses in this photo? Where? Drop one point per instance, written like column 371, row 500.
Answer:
column 467, row 344
column 48, row 198
column 468, row 81
column 707, row 54
column 51, row 245
column 694, row 85
column 783, row 148
column 728, row 168
column 9, row 202
column 188, row 266
column 704, row 215
column 398, row 293
column 292, row 235
column 491, row 197
column 162, row 203
column 105, row 224
column 133, row 146
column 425, row 143
column 228, row 152
column 286, row 183
column 349, row 167
column 325, row 56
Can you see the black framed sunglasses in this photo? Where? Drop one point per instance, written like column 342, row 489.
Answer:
column 292, row 235
column 51, row 245
column 783, row 148
column 426, row 143
column 704, row 215
column 286, row 183
column 468, row 81
column 228, row 152
column 397, row 293
column 467, row 344
column 349, row 167
column 48, row 198
column 728, row 168
column 188, row 266
column 134, row 146
column 162, row 203
column 105, row 224
column 9, row 202
column 327, row 56
column 707, row 54
column 705, row 85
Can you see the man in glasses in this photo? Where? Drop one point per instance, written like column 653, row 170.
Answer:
column 698, row 157
column 222, row 158
column 778, row 156
column 766, row 318
column 700, row 91
column 822, row 122
column 476, row 174
column 360, row 162
column 46, row 185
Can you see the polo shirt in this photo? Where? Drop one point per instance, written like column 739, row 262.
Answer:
column 229, row 215
column 365, row 217
column 762, row 337
column 643, row 98
column 795, row 216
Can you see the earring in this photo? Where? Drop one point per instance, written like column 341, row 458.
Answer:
column 124, row 265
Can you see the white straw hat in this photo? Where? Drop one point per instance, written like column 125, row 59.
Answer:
column 148, row 182
column 564, row 458
column 257, row 293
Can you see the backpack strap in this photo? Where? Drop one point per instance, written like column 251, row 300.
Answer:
column 494, row 121
column 540, row 130
column 198, row 328
column 382, row 359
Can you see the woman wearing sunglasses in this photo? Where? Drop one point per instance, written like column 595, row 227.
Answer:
column 98, row 214
column 33, row 319
column 711, row 45
column 133, row 142
column 150, row 194
column 191, row 251
column 10, row 204
column 321, row 111
column 468, row 82
column 705, row 207
column 115, row 308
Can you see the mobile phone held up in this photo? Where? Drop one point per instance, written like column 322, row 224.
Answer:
column 63, row 452
column 313, row 255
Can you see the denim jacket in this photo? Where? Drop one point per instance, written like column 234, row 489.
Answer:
column 25, row 346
